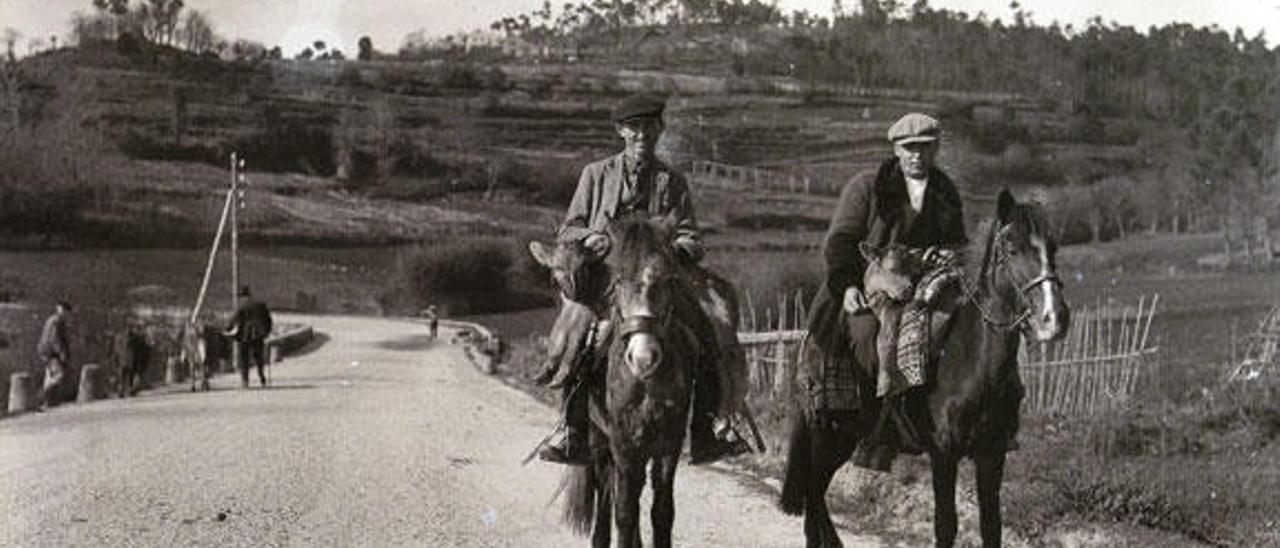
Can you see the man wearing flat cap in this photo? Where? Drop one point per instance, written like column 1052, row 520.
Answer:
column 633, row 181
column 907, row 202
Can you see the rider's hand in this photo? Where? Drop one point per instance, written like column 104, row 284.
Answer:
column 854, row 301
column 597, row 244
column 939, row 256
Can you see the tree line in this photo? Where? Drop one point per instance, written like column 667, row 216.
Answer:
column 170, row 23
column 1205, row 99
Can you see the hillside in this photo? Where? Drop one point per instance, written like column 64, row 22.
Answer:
column 384, row 152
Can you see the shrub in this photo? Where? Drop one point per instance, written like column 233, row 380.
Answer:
column 470, row 277
column 33, row 211
column 144, row 146
column 549, row 182
column 350, row 77
column 290, row 146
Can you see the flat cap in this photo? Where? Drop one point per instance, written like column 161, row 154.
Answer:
column 915, row 128
column 640, row 105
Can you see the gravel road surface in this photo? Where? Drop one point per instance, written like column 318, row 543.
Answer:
column 379, row 437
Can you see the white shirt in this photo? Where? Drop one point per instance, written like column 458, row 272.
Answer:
column 915, row 191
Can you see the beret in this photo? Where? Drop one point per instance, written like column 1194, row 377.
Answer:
column 914, row 128
column 639, row 105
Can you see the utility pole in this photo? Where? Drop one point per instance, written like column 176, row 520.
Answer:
column 237, row 194
column 236, row 165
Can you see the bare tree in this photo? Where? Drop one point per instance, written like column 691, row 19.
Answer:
column 9, row 76
column 160, row 20
column 116, row 10
column 197, row 34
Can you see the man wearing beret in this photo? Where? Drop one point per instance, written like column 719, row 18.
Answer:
column 906, row 201
column 635, row 181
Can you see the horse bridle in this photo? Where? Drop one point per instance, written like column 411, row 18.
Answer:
column 1001, row 261
column 643, row 323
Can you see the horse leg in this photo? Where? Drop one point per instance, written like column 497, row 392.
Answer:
column 628, row 481
column 602, row 530
column 990, row 472
column 832, row 441
column 795, row 483
column 944, row 499
column 663, row 513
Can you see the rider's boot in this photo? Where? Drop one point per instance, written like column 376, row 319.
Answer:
column 708, row 444
column 572, row 447
column 880, row 447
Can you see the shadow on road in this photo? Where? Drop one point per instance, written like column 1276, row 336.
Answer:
column 318, row 339
column 407, row 344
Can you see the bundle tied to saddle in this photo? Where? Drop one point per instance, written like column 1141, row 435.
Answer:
column 912, row 296
column 582, row 331
column 912, row 301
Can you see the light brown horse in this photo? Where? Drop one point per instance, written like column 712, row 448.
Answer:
column 194, row 353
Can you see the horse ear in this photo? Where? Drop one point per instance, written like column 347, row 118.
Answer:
column 1005, row 205
column 541, row 254
column 869, row 252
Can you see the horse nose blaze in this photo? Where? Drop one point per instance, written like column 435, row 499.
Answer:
column 643, row 354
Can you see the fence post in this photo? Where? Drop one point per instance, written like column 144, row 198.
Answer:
column 88, row 383
column 172, row 370
column 20, row 399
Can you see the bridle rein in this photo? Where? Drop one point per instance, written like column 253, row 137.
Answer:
column 1024, row 287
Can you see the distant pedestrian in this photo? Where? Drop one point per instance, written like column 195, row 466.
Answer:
column 54, row 350
column 133, row 355
column 434, row 321
column 250, row 327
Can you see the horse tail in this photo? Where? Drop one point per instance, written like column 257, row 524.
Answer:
column 795, row 484
column 579, row 484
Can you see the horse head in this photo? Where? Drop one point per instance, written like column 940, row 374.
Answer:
column 1021, row 260
column 644, row 278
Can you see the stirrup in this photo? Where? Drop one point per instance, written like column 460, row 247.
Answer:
column 563, row 455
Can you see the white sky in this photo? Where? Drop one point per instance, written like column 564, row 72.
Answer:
column 295, row 23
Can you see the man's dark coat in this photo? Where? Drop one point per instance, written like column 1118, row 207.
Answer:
column 872, row 208
column 252, row 322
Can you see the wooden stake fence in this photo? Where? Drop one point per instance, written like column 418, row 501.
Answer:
column 1095, row 368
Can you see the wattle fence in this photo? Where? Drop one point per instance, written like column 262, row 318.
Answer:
column 1095, row 368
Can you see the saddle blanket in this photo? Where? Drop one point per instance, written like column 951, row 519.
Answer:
column 912, row 350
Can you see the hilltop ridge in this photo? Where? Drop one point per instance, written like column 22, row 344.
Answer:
column 420, row 137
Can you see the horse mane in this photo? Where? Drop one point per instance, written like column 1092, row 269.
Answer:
column 636, row 238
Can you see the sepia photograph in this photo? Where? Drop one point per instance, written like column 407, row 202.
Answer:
column 628, row 273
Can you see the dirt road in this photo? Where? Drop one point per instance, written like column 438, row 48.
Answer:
column 381, row 437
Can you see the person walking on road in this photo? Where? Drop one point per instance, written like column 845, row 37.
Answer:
column 433, row 318
column 54, row 351
column 250, row 328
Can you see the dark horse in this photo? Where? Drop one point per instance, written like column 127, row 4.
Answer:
column 641, row 409
column 970, row 406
